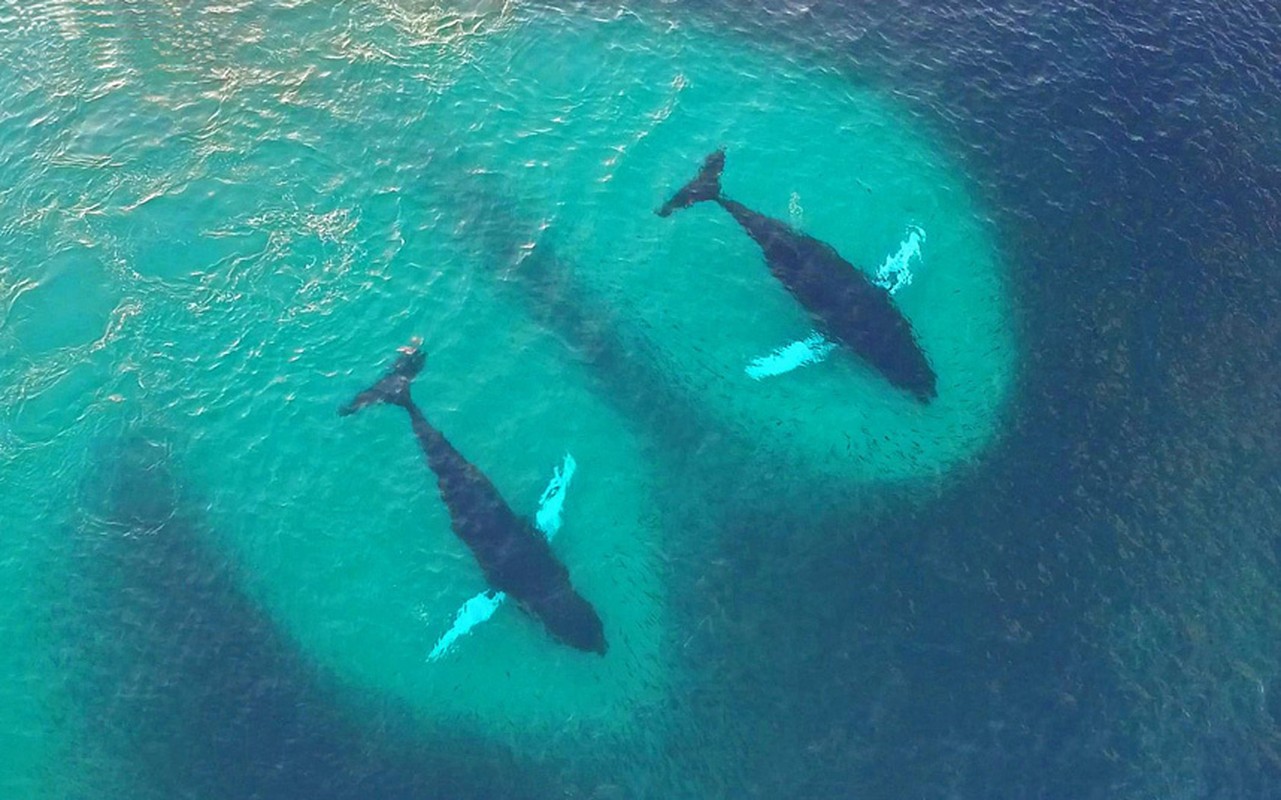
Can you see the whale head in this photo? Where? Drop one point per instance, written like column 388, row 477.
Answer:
column 572, row 620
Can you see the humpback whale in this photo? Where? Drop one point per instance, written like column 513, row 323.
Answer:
column 514, row 557
column 845, row 305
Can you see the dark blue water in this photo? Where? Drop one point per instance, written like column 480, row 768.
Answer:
column 1095, row 614
column 1091, row 611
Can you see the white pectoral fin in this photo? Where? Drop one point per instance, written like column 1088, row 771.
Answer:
column 482, row 606
column 552, row 503
column 896, row 272
column 810, row 350
column 469, row 615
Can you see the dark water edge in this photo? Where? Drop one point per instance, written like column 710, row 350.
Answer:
column 1083, row 616
column 193, row 692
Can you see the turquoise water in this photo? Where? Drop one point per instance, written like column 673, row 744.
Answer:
column 599, row 123
column 221, row 221
column 236, row 223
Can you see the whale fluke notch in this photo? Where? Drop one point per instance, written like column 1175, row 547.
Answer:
column 706, row 185
column 394, row 386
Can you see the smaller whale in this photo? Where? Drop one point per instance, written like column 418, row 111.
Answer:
column 514, row 557
column 845, row 305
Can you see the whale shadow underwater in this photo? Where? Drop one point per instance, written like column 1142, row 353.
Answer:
column 514, row 557
column 844, row 304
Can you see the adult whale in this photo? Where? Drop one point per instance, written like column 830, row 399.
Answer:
column 844, row 304
column 515, row 558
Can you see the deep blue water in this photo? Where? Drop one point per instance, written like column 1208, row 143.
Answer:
column 1093, row 616
column 1090, row 611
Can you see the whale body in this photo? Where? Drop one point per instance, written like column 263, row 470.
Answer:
column 515, row 558
column 845, row 305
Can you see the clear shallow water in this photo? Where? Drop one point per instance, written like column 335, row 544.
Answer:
column 223, row 219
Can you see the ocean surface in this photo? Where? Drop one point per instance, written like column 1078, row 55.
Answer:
column 1058, row 579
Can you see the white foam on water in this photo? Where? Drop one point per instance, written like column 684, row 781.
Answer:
column 795, row 210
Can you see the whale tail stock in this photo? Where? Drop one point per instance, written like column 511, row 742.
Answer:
column 394, row 386
column 705, row 186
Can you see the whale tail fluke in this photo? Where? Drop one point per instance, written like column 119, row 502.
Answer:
column 705, row 186
column 394, row 386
